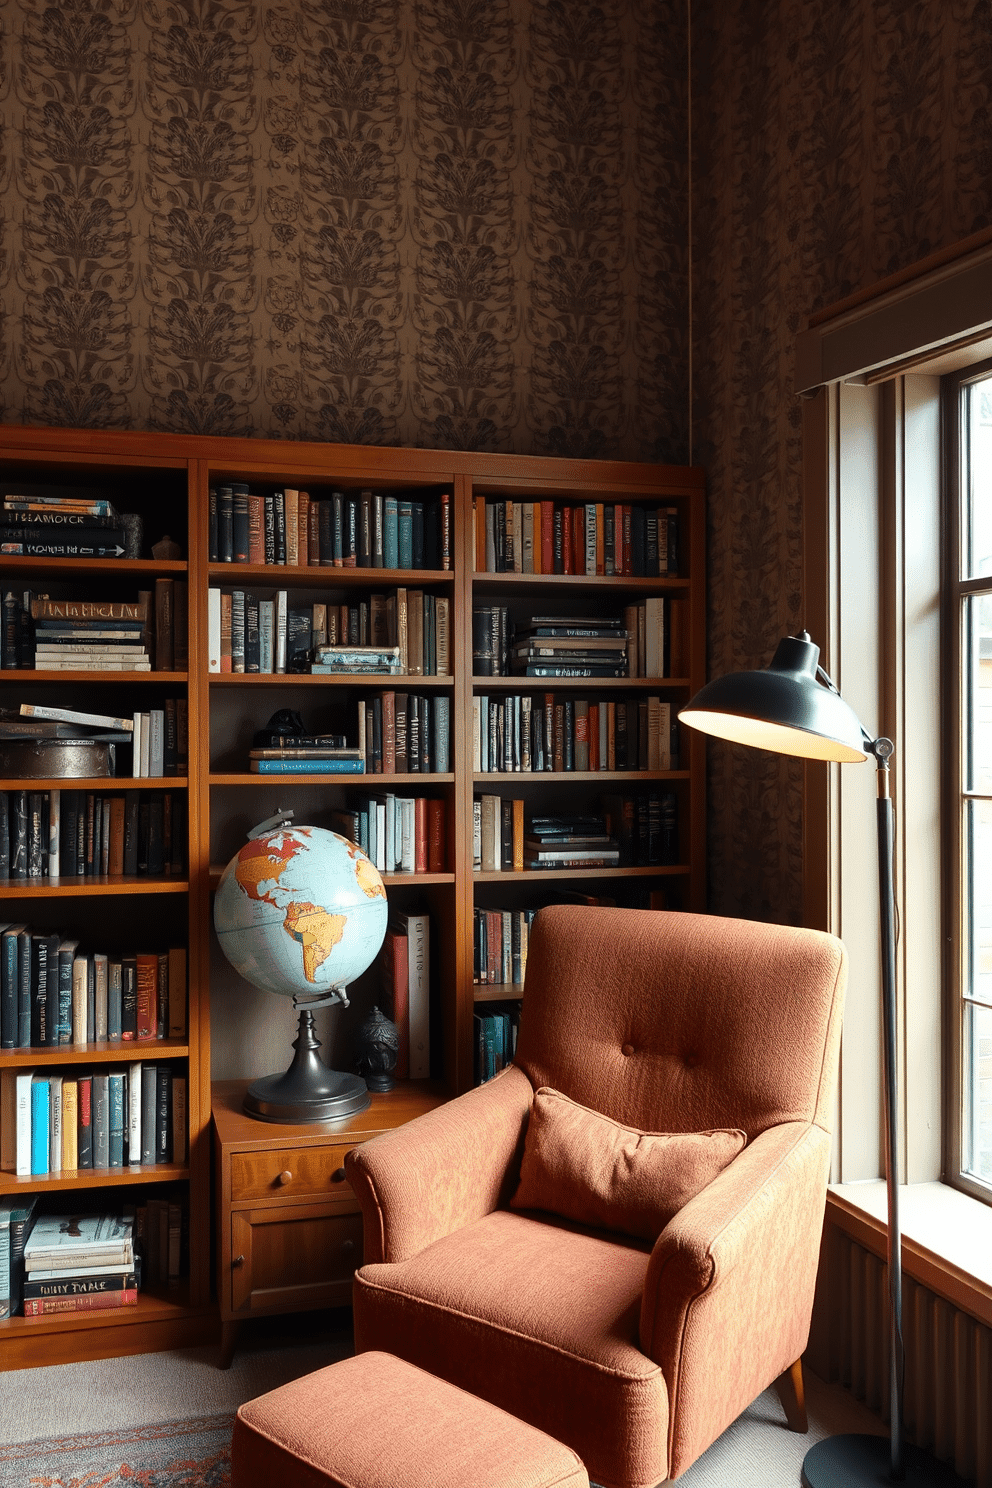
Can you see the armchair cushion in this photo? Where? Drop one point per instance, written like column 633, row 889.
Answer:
column 581, row 1165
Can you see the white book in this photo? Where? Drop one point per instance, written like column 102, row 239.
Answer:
column 213, row 630
column 282, row 602
column 54, row 817
column 156, row 741
column 380, row 836
column 484, row 735
column 476, row 735
column 146, row 730
column 55, row 1123
column 72, row 715
column 408, row 835
column 654, row 635
column 266, row 635
column 22, row 1102
column 134, row 1115
column 136, row 747
column 476, row 834
column 53, row 1235
column 392, row 834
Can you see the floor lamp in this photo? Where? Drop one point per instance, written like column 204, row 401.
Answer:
column 792, row 707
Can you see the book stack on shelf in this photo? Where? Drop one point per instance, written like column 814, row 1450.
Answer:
column 524, row 732
column 91, row 635
column 38, row 523
column 400, row 834
column 67, row 1121
column 570, row 646
column 339, row 661
column 346, row 529
column 404, row 971
column 570, row 841
column 80, row 1263
column 55, row 992
column 15, row 1223
column 415, row 620
column 613, row 539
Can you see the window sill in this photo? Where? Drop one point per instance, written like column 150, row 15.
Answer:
column 946, row 1237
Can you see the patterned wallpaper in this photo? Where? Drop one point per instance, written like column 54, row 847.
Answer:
column 833, row 144
column 448, row 223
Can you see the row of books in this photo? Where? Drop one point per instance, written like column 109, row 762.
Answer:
column 636, row 643
column 501, row 939
column 80, row 1263
column 54, row 992
column 345, row 529
column 635, row 831
column 160, row 740
column 495, row 1044
column 91, row 834
column 252, row 634
column 61, row 1121
column 150, row 633
column 626, row 539
column 526, row 733
column 404, row 975
column 36, row 524
column 405, row 733
column 400, row 834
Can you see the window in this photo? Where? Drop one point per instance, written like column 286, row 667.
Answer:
column 968, row 714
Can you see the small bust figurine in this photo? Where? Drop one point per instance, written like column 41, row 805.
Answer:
column 377, row 1049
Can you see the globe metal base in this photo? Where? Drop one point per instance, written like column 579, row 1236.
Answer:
column 308, row 1091
column 864, row 1462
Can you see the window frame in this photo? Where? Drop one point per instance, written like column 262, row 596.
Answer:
column 955, row 589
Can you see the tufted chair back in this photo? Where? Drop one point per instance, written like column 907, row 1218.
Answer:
column 681, row 1022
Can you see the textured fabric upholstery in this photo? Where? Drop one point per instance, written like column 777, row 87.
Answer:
column 635, row 1354
column 378, row 1422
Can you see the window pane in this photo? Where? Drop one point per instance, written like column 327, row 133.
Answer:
column 978, row 901
column 978, row 1093
column 977, row 701
column 978, row 544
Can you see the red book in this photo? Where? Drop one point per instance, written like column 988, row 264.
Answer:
column 85, row 1302
column 593, row 730
column 627, row 550
column 566, row 538
column 313, row 534
column 420, row 835
column 303, row 528
column 256, row 529
column 547, row 537
column 147, row 995
column 396, row 995
column 435, row 837
column 579, row 539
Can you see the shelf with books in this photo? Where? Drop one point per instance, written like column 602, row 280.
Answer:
column 410, row 680
column 88, row 1178
column 100, row 1053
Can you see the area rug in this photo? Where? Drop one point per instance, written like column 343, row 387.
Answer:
column 171, row 1454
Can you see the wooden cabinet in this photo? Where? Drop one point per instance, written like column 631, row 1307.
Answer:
column 289, row 1230
column 167, row 479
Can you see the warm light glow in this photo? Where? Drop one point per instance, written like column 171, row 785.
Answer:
column 774, row 736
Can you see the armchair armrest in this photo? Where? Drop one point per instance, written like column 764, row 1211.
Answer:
column 729, row 1289
column 442, row 1171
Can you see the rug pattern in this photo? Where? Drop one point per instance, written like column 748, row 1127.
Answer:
column 194, row 1453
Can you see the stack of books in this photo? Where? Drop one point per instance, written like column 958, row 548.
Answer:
column 307, row 756
column 90, row 635
column 570, row 646
column 40, row 525
column 570, row 842
column 80, row 1263
column 336, row 661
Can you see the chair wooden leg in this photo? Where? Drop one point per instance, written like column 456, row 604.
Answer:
column 792, row 1394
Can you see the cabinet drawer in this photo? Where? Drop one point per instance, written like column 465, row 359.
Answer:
column 285, row 1260
column 303, row 1171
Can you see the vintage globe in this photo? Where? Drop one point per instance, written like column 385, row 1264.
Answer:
column 300, row 910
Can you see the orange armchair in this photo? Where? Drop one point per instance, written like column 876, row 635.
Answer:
column 635, row 1352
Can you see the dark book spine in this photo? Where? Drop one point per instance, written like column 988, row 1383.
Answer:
column 349, row 553
column 24, row 1009
column 239, row 524
column 269, row 528
column 165, row 600
column 253, row 641
column 8, row 991
column 426, row 754
column 155, row 859
column 131, row 827
column 418, row 534
column 212, row 530
column 163, row 1114
column 18, row 830
column 279, row 505
column 225, row 525
column 39, row 991
column 9, row 655
column 129, row 997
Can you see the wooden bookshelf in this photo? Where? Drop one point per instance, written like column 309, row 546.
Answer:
column 168, row 478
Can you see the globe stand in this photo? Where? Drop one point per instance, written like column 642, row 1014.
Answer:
column 308, row 1090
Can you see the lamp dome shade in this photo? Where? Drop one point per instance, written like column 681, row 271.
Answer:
column 782, row 708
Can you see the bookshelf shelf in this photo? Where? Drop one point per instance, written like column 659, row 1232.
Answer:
column 89, row 888
column 167, row 479
column 109, row 783
column 108, row 1053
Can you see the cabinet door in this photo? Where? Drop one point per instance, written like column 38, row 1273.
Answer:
column 287, row 1259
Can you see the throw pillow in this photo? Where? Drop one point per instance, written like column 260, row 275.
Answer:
column 581, row 1165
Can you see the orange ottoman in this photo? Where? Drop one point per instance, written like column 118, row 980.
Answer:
column 377, row 1422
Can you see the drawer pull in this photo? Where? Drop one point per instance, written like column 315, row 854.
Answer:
column 238, row 1261
column 338, row 1176
column 285, row 1177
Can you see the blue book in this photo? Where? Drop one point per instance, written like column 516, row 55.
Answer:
column 39, row 1124
column 391, row 536
column 114, row 998
column 24, row 988
column 442, row 734
column 115, row 1101
column 405, row 509
column 308, row 767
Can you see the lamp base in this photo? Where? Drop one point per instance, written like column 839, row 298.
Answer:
column 864, row 1462
column 308, row 1091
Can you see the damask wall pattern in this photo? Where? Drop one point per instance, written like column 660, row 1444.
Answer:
column 448, row 223
column 833, row 145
